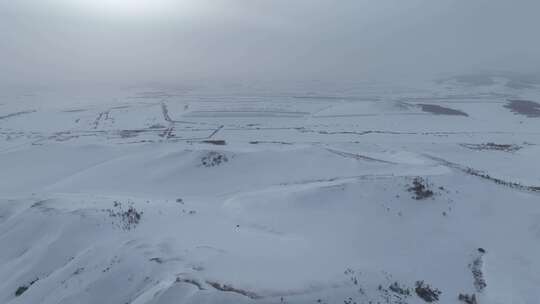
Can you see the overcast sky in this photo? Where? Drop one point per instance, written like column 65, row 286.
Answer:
column 128, row 41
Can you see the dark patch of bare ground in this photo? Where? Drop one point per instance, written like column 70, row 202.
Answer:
column 213, row 159
column 467, row 299
column 479, row 282
column 528, row 108
column 23, row 288
column 395, row 293
column 493, row 147
column 439, row 110
column 229, row 288
column 420, row 189
column 476, row 267
column 426, row 292
column 397, row 288
column 216, row 142
column 127, row 219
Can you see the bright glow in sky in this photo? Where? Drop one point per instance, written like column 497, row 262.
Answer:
column 135, row 8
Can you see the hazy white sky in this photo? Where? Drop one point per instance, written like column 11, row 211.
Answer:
column 126, row 41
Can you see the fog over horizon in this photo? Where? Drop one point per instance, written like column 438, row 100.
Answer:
column 61, row 42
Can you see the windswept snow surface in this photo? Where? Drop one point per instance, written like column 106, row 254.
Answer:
column 371, row 194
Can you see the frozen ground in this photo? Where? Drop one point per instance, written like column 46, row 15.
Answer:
column 367, row 194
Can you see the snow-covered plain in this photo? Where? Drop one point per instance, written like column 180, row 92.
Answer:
column 148, row 196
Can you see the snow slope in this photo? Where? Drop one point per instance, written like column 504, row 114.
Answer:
column 159, row 197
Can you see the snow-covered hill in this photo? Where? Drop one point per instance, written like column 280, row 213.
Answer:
column 371, row 195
